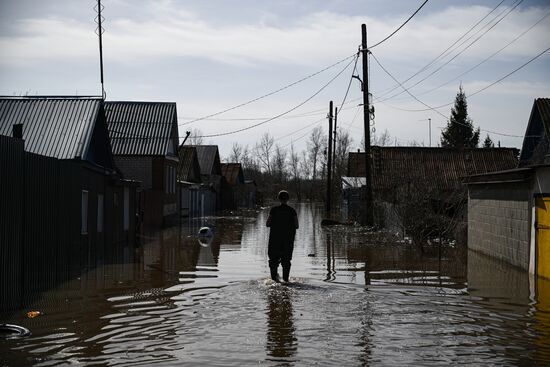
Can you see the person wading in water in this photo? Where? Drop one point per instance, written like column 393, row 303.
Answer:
column 283, row 223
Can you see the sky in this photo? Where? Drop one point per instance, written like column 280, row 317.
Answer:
column 211, row 55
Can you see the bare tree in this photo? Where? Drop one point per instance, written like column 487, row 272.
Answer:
column 236, row 153
column 264, row 150
column 381, row 140
column 294, row 165
column 305, row 167
column 195, row 138
column 314, row 146
column 279, row 162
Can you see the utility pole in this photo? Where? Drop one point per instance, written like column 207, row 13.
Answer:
column 100, row 34
column 329, row 159
column 430, row 130
column 369, row 217
column 334, row 142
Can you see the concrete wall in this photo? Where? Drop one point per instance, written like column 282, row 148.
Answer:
column 136, row 168
column 499, row 221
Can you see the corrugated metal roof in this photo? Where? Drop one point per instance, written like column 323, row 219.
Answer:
column 443, row 168
column 188, row 166
column 209, row 159
column 233, row 173
column 59, row 127
column 142, row 128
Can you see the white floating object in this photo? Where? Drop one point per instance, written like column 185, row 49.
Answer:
column 205, row 232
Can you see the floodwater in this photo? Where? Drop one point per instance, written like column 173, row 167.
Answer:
column 351, row 302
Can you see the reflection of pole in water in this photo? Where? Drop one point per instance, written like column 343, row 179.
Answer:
column 330, row 258
column 367, row 275
column 281, row 338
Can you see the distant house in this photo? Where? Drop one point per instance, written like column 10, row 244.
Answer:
column 144, row 139
column 433, row 176
column 211, row 172
column 62, row 197
column 189, row 169
column 509, row 210
column 234, row 176
column 195, row 198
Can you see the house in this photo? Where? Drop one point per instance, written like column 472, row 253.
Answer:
column 509, row 210
column 234, row 176
column 195, row 198
column 63, row 201
column 352, row 188
column 407, row 180
column 211, row 172
column 144, row 140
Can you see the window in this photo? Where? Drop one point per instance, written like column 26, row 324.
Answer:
column 100, row 213
column 84, row 213
column 126, row 208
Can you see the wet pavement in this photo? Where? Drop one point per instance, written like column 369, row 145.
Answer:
column 351, row 301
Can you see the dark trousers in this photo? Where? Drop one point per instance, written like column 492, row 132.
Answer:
column 280, row 254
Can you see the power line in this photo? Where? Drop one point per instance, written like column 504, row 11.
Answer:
column 462, row 51
column 283, row 113
column 268, row 94
column 405, row 89
column 300, row 129
column 482, row 89
column 401, row 26
column 510, row 73
column 349, row 84
column 442, row 54
column 445, row 117
column 487, row 58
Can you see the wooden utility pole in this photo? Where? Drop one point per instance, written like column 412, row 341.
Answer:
column 369, row 217
column 334, row 142
column 329, row 159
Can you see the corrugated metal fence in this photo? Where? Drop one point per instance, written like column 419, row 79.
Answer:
column 38, row 229
column 11, row 221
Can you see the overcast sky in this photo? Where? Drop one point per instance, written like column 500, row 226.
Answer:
column 212, row 55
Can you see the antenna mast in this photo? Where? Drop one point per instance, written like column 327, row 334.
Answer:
column 99, row 32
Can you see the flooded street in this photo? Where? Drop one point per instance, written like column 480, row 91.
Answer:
column 350, row 302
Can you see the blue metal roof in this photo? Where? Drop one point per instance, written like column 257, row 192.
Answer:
column 142, row 128
column 59, row 127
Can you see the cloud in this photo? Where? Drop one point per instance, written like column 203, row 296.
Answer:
column 313, row 39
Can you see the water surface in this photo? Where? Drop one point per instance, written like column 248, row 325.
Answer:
column 351, row 301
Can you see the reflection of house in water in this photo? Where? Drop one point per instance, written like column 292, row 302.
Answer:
column 144, row 137
column 64, row 205
column 509, row 211
column 406, row 264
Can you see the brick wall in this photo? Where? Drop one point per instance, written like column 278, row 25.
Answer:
column 136, row 168
column 499, row 221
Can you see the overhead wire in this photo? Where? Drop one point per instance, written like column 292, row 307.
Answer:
column 482, row 89
column 460, row 52
column 487, row 58
column 283, row 113
column 442, row 54
column 401, row 26
column 445, row 117
column 267, row 94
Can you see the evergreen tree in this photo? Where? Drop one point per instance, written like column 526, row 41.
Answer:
column 488, row 143
column 460, row 132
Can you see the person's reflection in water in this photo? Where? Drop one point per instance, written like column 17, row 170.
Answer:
column 281, row 340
